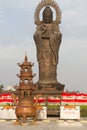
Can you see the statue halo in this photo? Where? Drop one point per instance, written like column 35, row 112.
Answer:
column 44, row 3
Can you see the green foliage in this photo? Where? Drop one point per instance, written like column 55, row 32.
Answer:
column 83, row 107
column 8, row 104
column 1, row 87
column 83, row 110
column 53, row 106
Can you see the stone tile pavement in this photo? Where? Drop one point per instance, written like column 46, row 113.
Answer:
column 49, row 124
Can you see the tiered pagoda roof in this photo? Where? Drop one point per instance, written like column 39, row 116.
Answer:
column 26, row 75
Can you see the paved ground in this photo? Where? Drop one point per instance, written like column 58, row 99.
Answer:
column 50, row 124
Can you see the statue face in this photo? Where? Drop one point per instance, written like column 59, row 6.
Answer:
column 47, row 15
column 47, row 19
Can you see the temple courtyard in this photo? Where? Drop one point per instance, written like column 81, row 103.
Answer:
column 49, row 124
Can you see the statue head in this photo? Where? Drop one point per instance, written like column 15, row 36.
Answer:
column 47, row 15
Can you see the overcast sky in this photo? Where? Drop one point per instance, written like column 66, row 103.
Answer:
column 16, row 37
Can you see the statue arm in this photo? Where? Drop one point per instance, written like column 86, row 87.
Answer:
column 55, row 41
column 41, row 28
column 38, row 41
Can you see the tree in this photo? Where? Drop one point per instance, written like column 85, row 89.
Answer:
column 1, row 87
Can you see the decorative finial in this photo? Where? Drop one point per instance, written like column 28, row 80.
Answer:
column 25, row 56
